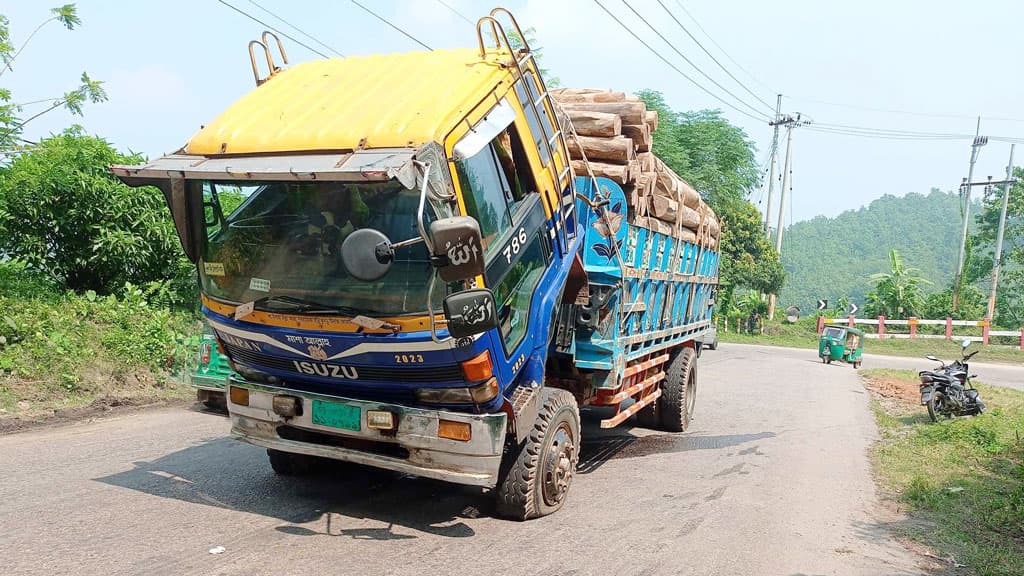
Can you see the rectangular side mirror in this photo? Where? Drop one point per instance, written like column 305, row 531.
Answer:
column 458, row 248
column 470, row 312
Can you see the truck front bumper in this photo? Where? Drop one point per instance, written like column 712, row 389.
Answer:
column 413, row 447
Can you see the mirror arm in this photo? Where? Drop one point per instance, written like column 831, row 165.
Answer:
column 430, row 308
column 419, row 211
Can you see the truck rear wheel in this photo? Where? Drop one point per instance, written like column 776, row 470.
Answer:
column 679, row 391
column 536, row 475
column 288, row 464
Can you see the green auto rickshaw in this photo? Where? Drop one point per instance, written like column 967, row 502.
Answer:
column 211, row 374
column 842, row 344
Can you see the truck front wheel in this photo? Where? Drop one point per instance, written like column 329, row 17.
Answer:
column 679, row 391
column 536, row 475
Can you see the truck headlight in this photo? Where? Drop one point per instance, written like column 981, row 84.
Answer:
column 475, row 395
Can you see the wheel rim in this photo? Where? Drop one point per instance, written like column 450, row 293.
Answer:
column 558, row 464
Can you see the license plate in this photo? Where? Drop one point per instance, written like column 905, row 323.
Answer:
column 334, row 415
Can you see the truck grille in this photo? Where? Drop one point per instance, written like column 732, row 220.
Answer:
column 424, row 374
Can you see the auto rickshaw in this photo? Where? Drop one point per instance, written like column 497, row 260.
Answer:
column 842, row 344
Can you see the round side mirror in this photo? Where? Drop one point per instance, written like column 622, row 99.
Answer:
column 932, row 358
column 367, row 254
column 964, row 344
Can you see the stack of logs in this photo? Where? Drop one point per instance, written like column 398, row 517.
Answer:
column 614, row 133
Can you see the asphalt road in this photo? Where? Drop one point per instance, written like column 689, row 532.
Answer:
column 772, row 478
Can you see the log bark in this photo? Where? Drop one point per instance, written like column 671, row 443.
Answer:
column 647, row 161
column 690, row 196
column 617, row 172
column 651, row 119
column 631, row 112
column 640, row 134
column 569, row 95
column 600, row 124
column 664, row 208
column 616, row 150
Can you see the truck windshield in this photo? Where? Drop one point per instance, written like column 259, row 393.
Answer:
column 279, row 244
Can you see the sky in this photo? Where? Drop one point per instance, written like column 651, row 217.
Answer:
column 170, row 67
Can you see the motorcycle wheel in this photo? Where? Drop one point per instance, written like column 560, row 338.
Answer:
column 933, row 407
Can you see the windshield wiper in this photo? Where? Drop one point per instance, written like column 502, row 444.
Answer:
column 311, row 306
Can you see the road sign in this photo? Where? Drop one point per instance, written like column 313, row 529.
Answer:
column 853, row 309
column 822, row 304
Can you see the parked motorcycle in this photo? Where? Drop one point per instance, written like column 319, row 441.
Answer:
column 948, row 391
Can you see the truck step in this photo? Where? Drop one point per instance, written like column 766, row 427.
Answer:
column 633, row 390
column 621, row 416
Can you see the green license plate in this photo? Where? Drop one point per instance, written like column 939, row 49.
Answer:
column 336, row 415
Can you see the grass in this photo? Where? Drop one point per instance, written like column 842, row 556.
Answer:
column 803, row 335
column 63, row 351
column 962, row 479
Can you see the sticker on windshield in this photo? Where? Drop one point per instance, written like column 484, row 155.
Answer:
column 213, row 268
column 259, row 285
column 244, row 310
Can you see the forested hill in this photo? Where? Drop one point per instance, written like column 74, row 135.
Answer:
column 833, row 257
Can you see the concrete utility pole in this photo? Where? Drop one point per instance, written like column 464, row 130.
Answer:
column 975, row 146
column 999, row 237
column 771, row 163
column 789, row 122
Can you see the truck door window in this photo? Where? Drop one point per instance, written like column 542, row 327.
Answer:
column 495, row 182
column 514, row 292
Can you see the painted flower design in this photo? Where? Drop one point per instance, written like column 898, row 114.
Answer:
column 610, row 224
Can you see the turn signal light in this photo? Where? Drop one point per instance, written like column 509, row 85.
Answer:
column 478, row 368
column 239, row 396
column 454, row 430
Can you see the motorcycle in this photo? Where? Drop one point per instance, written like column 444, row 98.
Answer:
column 948, row 391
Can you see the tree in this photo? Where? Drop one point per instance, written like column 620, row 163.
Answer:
column 538, row 52
column 62, row 212
column 897, row 292
column 11, row 125
column 1010, row 298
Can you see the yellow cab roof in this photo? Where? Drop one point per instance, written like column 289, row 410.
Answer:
column 379, row 101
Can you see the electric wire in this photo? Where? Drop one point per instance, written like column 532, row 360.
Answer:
column 457, row 13
column 715, row 60
column 388, row 22
column 690, row 62
column 901, row 112
column 268, row 26
column 673, row 66
column 722, row 50
column 296, row 28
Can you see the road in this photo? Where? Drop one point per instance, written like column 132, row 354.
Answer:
column 1005, row 375
column 772, row 478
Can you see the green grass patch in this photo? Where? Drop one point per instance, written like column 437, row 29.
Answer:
column 65, row 350
column 962, row 479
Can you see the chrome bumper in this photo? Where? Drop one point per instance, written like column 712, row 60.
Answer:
column 473, row 462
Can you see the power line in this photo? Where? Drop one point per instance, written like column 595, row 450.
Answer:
column 296, row 28
column 710, row 55
column 673, row 66
column 388, row 22
column 902, row 112
column 264, row 24
column 722, row 50
column 457, row 13
column 690, row 62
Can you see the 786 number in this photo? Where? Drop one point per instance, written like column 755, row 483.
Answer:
column 515, row 245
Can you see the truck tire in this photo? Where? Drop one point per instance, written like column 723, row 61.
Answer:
column 679, row 391
column 536, row 475
column 288, row 464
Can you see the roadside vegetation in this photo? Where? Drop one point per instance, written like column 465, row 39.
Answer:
column 961, row 480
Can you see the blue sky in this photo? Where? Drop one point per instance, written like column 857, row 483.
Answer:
column 171, row 66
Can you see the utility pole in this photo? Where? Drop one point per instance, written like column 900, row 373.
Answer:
column 789, row 122
column 975, row 146
column 771, row 163
column 999, row 237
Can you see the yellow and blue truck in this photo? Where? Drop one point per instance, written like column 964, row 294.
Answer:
column 415, row 279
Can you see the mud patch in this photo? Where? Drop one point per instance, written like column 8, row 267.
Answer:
column 893, row 389
column 98, row 407
column 595, row 451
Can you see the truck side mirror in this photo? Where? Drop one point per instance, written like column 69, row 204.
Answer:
column 470, row 312
column 458, row 248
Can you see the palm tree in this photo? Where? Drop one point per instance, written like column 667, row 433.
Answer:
column 897, row 292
